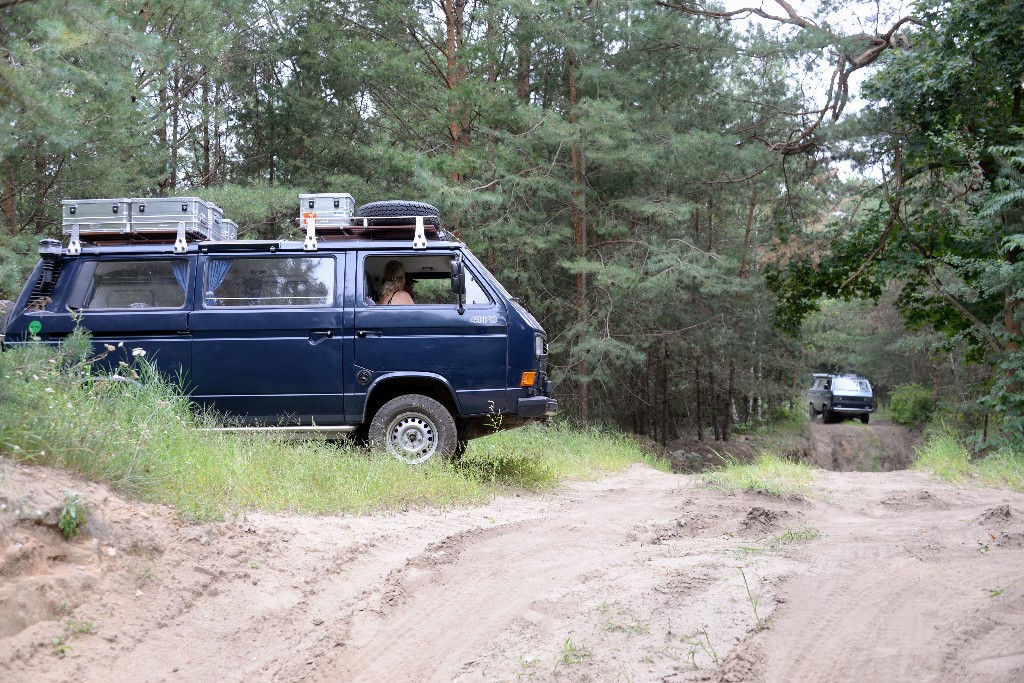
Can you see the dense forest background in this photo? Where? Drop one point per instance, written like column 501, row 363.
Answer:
column 702, row 203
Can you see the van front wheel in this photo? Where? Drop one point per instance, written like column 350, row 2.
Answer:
column 414, row 428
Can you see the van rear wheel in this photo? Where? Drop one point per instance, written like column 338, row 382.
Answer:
column 414, row 429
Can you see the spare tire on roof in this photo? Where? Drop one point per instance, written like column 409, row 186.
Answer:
column 387, row 212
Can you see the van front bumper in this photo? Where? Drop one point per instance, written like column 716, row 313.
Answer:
column 536, row 406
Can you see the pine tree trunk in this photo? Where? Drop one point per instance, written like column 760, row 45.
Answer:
column 175, row 94
column 664, row 393
column 207, row 170
column 714, row 406
column 458, row 121
column 730, row 402
column 700, row 404
column 579, row 230
column 9, row 207
column 524, row 59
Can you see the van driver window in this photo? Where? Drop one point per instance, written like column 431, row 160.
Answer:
column 415, row 280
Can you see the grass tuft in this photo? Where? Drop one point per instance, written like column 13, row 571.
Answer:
column 768, row 474
column 945, row 456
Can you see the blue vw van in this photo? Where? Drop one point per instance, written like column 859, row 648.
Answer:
column 292, row 335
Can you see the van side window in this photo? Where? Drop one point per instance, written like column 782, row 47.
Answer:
column 283, row 281
column 137, row 284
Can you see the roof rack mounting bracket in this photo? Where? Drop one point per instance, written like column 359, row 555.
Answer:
column 75, row 244
column 419, row 240
column 309, row 219
column 180, row 244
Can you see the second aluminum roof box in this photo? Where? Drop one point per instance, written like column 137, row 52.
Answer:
column 330, row 207
column 162, row 215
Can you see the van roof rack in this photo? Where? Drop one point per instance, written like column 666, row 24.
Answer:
column 153, row 220
column 180, row 221
column 420, row 228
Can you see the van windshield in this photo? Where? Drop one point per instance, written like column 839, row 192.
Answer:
column 850, row 384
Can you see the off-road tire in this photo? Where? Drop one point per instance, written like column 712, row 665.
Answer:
column 864, row 418
column 414, row 428
column 827, row 416
column 385, row 212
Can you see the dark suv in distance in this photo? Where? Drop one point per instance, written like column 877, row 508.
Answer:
column 289, row 335
column 833, row 396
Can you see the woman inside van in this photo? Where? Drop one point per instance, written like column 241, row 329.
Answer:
column 393, row 291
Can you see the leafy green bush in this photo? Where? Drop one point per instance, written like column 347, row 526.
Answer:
column 911, row 404
column 72, row 516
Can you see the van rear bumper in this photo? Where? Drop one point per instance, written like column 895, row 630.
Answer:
column 536, row 406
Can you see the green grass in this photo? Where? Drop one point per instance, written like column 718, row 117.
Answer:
column 946, row 457
column 144, row 438
column 768, row 474
column 778, row 543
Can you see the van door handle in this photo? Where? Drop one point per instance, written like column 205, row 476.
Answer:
column 363, row 334
column 317, row 336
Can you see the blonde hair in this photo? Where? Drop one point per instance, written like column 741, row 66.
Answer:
column 394, row 280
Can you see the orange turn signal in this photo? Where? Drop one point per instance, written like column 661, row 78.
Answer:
column 528, row 379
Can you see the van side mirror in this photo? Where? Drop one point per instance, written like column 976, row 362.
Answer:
column 458, row 277
column 459, row 282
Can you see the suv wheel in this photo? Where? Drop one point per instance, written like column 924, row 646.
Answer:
column 826, row 414
column 811, row 411
column 414, row 428
column 384, row 212
column 864, row 418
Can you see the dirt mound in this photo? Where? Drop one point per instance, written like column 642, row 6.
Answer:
column 841, row 447
column 763, row 521
column 1001, row 515
column 921, row 500
column 44, row 575
column 855, row 447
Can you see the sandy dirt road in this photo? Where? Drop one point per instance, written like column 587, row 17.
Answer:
column 641, row 576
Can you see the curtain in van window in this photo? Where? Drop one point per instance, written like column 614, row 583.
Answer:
column 180, row 273
column 216, row 271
